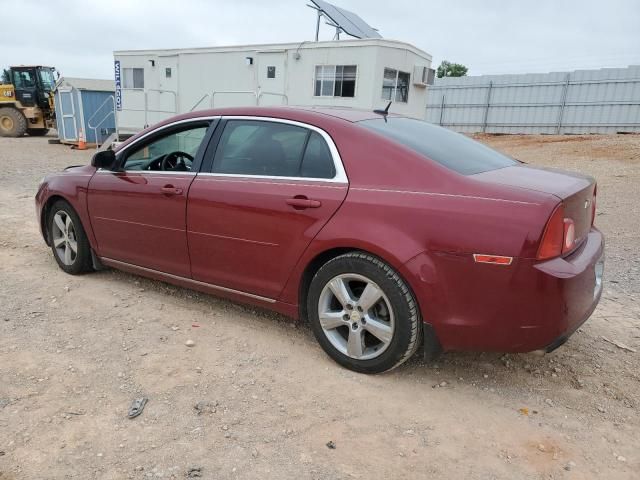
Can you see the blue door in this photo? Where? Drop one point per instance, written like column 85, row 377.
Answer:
column 68, row 113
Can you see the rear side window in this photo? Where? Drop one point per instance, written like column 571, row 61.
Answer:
column 317, row 161
column 450, row 149
column 255, row 147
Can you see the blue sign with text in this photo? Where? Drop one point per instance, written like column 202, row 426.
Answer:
column 118, row 85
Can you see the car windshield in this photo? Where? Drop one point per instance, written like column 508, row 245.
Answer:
column 452, row 150
column 46, row 77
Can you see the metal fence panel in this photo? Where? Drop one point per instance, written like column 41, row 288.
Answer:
column 584, row 101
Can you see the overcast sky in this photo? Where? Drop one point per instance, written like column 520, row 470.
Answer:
column 489, row 36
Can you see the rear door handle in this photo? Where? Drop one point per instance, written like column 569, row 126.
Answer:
column 300, row 202
column 171, row 190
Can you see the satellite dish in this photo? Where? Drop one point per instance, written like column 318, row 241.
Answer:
column 343, row 20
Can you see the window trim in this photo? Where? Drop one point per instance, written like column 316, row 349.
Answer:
column 339, row 177
column 210, row 144
column 395, row 86
column 335, row 65
column 198, row 160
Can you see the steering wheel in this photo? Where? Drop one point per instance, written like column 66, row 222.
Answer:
column 176, row 161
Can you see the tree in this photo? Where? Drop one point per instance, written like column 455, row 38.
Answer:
column 6, row 76
column 448, row 69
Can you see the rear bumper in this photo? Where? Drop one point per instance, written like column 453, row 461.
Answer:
column 526, row 306
column 583, row 276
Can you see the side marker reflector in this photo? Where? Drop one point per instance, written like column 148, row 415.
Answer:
column 494, row 259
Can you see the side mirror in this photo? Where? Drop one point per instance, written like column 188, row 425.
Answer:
column 105, row 159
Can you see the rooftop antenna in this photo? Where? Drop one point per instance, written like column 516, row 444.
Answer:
column 384, row 112
column 342, row 20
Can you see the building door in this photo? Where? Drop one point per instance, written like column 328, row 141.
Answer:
column 68, row 115
column 162, row 89
column 271, row 78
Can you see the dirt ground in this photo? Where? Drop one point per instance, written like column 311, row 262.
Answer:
column 75, row 351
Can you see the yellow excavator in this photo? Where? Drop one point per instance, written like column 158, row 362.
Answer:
column 26, row 101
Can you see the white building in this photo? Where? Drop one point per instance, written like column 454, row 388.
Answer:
column 152, row 85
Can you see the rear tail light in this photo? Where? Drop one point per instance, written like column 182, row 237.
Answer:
column 559, row 235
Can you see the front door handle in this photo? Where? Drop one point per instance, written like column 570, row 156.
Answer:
column 171, row 190
column 300, row 202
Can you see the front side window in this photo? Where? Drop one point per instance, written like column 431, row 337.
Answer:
column 133, row 77
column 395, row 85
column 256, row 147
column 172, row 152
column 335, row 81
column 450, row 149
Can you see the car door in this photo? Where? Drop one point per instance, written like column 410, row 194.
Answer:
column 138, row 211
column 270, row 187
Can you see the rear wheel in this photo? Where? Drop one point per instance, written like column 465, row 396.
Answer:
column 12, row 122
column 37, row 132
column 363, row 314
column 68, row 239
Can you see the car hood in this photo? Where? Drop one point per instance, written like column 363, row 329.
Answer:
column 80, row 169
column 72, row 172
column 560, row 183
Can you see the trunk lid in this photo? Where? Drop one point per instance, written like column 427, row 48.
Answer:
column 576, row 191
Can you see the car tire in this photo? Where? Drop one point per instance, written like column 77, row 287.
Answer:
column 357, row 333
column 12, row 122
column 37, row 132
column 65, row 231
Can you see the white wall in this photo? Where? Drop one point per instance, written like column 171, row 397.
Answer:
column 196, row 73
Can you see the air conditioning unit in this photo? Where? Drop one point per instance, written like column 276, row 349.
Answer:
column 423, row 76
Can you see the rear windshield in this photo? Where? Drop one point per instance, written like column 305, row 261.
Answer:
column 453, row 150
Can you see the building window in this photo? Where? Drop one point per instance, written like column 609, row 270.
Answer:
column 167, row 72
column 271, row 72
column 335, row 81
column 133, row 78
column 395, row 85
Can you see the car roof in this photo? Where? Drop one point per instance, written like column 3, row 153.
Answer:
column 286, row 112
column 345, row 113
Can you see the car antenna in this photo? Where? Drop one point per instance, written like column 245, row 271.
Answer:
column 384, row 112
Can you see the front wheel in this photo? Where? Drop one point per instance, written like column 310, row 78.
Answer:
column 12, row 122
column 363, row 314
column 68, row 239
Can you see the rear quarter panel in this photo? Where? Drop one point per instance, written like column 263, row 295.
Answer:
column 401, row 205
column 398, row 225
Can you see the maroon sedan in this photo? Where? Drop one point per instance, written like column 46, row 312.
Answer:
column 384, row 232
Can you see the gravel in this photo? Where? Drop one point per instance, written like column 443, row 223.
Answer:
column 65, row 339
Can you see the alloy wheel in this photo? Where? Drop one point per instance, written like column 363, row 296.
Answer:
column 356, row 316
column 64, row 238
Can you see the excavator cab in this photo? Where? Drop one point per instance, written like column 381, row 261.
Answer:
column 26, row 103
